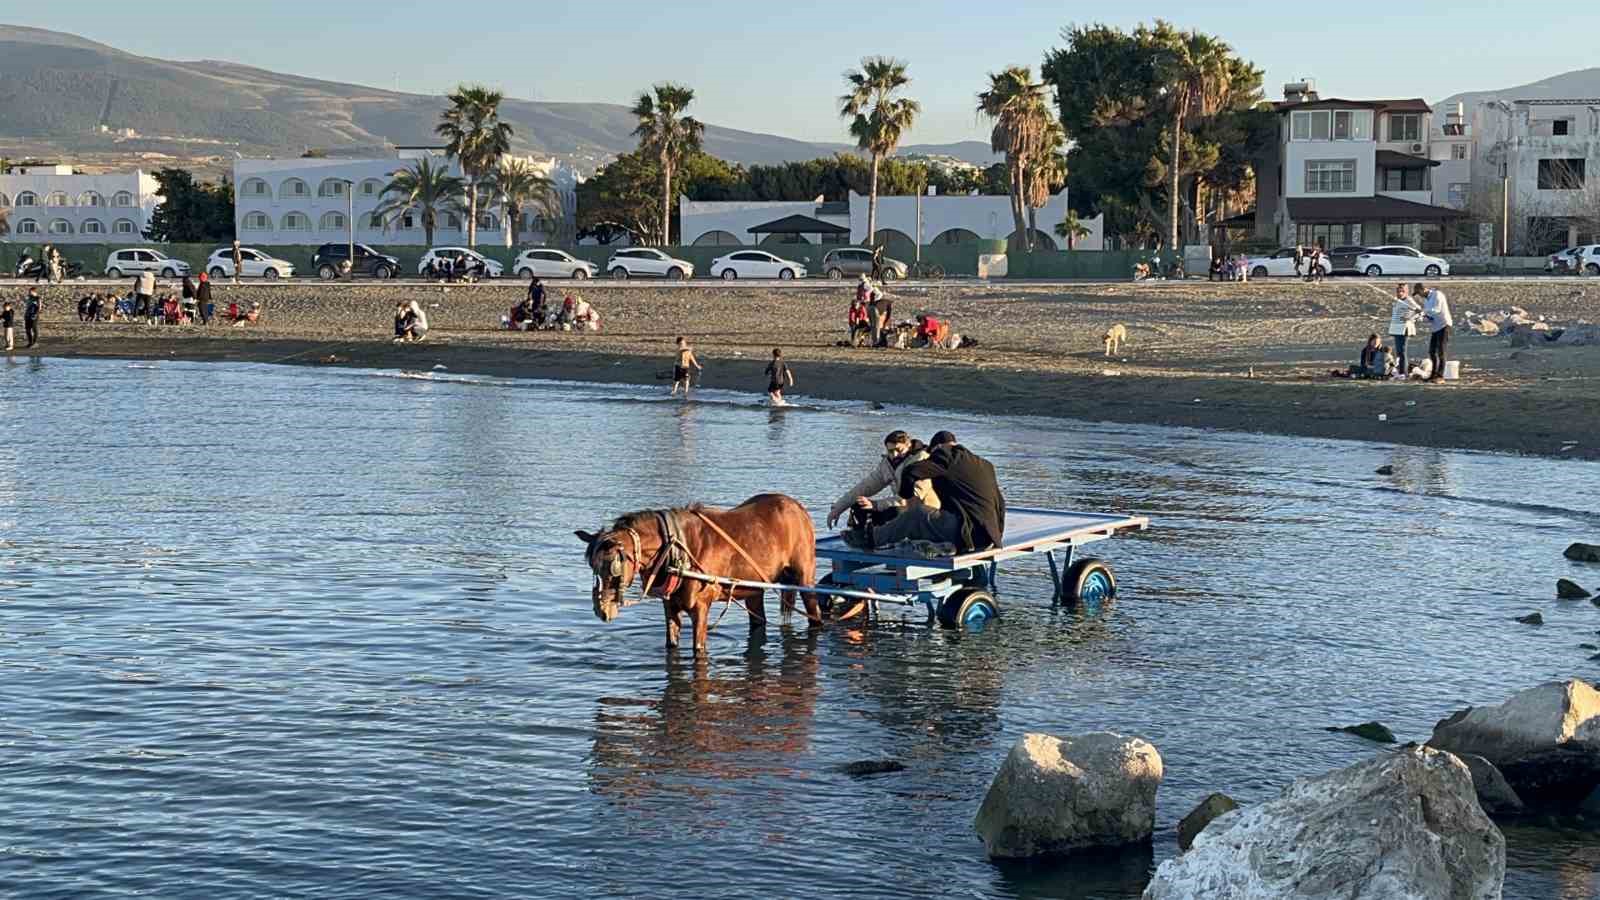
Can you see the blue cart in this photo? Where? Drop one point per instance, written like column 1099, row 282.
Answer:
column 960, row 590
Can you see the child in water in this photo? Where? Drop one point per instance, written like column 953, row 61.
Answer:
column 680, row 368
column 778, row 378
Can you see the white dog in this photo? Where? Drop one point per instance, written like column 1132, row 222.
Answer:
column 1114, row 337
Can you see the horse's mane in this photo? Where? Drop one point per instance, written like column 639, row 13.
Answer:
column 648, row 516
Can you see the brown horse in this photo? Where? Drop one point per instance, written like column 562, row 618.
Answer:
column 766, row 538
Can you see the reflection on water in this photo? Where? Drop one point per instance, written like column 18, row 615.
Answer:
column 279, row 632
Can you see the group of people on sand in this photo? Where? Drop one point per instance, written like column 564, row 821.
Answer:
column 1380, row 361
column 870, row 323
column 940, row 492
column 685, row 364
column 535, row 314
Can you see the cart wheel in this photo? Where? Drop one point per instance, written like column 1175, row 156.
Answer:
column 1090, row 581
column 968, row 609
column 839, row 608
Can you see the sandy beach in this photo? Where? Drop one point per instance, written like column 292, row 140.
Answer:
column 1245, row 357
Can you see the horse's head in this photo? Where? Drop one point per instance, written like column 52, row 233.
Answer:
column 613, row 557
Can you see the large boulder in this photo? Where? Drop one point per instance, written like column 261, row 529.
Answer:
column 1567, row 589
column 1209, row 810
column 1055, row 795
column 1495, row 795
column 1402, row 826
column 1583, row 552
column 1544, row 740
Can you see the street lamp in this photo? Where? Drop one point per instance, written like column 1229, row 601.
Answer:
column 350, row 221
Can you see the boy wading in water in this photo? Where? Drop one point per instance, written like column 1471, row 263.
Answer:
column 778, row 378
column 680, row 368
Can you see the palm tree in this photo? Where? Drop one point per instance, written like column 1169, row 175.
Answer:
column 1046, row 171
column 1071, row 229
column 1016, row 104
column 670, row 135
column 1196, row 72
column 425, row 189
column 477, row 139
column 877, row 118
column 517, row 185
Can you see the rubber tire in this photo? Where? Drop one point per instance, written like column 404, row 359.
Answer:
column 968, row 607
column 113, row 272
column 1090, row 580
column 619, row 273
column 1258, row 272
column 729, row 275
column 580, row 274
column 327, row 272
column 1373, row 271
column 382, row 273
column 216, row 272
column 1591, row 269
column 674, row 274
column 786, row 275
column 889, row 275
column 169, row 273
column 270, row 274
column 1431, row 272
column 836, row 274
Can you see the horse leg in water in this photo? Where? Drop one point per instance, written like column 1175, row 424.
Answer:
column 802, row 572
column 674, row 625
column 699, row 610
column 755, row 604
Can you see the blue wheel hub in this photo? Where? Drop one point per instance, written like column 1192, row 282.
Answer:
column 1096, row 587
column 977, row 614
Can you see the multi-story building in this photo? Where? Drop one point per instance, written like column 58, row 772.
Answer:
column 1452, row 148
column 1352, row 172
column 51, row 205
column 305, row 201
column 1538, row 163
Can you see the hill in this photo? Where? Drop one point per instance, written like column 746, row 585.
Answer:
column 63, row 94
column 1568, row 85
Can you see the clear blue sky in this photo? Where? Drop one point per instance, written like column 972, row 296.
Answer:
column 759, row 67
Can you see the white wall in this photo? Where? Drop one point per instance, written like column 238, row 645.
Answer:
column 76, row 215
column 987, row 216
column 699, row 217
column 1297, row 153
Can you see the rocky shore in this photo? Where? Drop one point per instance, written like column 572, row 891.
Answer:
column 1247, row 357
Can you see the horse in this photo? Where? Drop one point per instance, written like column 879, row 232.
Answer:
column 768, row 537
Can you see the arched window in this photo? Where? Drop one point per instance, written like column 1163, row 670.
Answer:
column 717, row 238
column 60, row 226
column 27, row 198
column 92, row 226
column 122, row 199
column 57, row 198
column 295, row 221
column 122, row 226
column 372, row 187
column 255, row 187
column 954, row 236
column 257, row 221
column 27, row 226
column 452, row 221
column 330, row 187
column 333, row 221
column 91, row 198
column 293, row 187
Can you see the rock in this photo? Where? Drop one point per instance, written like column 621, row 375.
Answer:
column 1495, row 795
column 1372, row 731
column 1385, row 470
column 863, row 767
column 1567, row 589
column 1486, row 327
column 1531, row 619
column 1201, row 816
column 1058, row 794
column 1582, row 335
column 1583, row 552
column 1589, row 646
column 1545, row 740
column 1403, row 825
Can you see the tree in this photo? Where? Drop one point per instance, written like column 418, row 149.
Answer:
column 667, row 134
column 1194, row 70
column 1046, row 172
column 425, row 189
column 878, row 119
column 191, row 212
column 1072, row 229
column 1016, row 105
column 477, row 139
column 518, row 186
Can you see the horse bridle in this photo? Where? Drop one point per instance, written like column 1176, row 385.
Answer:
column 620, row 561
column 647, row 573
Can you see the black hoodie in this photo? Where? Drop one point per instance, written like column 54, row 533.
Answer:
column 966, row 485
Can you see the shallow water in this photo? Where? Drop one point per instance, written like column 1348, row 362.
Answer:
column 334, row 639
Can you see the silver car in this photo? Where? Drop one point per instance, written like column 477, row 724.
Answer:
column 853, row 261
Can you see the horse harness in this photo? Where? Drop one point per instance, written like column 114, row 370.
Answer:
column 673, row 560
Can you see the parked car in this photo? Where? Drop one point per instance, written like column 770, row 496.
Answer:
column 549, row 263
column 255, row 263
column 1400, row 260
column 853, row 261
column 1344, row 259
column 329, row 258
column 1584, row 260
column 1281, row 263
column 144, row 259
column 491, row 268
column 647, row 262
column 755, row 264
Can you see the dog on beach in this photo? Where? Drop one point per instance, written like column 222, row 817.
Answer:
column 1114, row 337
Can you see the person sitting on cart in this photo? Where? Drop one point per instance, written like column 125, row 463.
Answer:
column 899, row 451
column 972, row 510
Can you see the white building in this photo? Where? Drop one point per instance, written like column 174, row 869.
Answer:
column 1544, row 157
column 304, row 201
column 945, row 219
column 51, row 205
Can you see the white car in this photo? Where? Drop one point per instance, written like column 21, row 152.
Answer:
column 1399, row 260
column 648, row 262
column 491, row 268
column 1282, row 263
column 755, row 264
column 143, row 259
column 547, row 263
column 255, row 264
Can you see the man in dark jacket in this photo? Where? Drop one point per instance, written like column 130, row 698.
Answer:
column 30, row 316
column 972, row 510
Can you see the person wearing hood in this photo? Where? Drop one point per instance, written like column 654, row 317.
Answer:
column 899, row 451
column 972, row 510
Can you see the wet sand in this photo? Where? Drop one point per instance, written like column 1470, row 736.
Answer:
column 1252, row 358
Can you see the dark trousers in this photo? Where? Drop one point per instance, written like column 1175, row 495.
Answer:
column 30, row 327
column 1400, row 351
column 1438, row 343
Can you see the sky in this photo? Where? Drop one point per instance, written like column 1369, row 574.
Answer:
column 760, row 67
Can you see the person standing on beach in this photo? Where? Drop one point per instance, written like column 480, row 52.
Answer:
column 30, row 317
column 144, row 291
column 8, row 320
column 202, row 299
column 680, row 368
column 1402, row 323
column 778, row 378
column 877, row 263
column 1436, row 309
column 874, row 314
column 238, row 260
